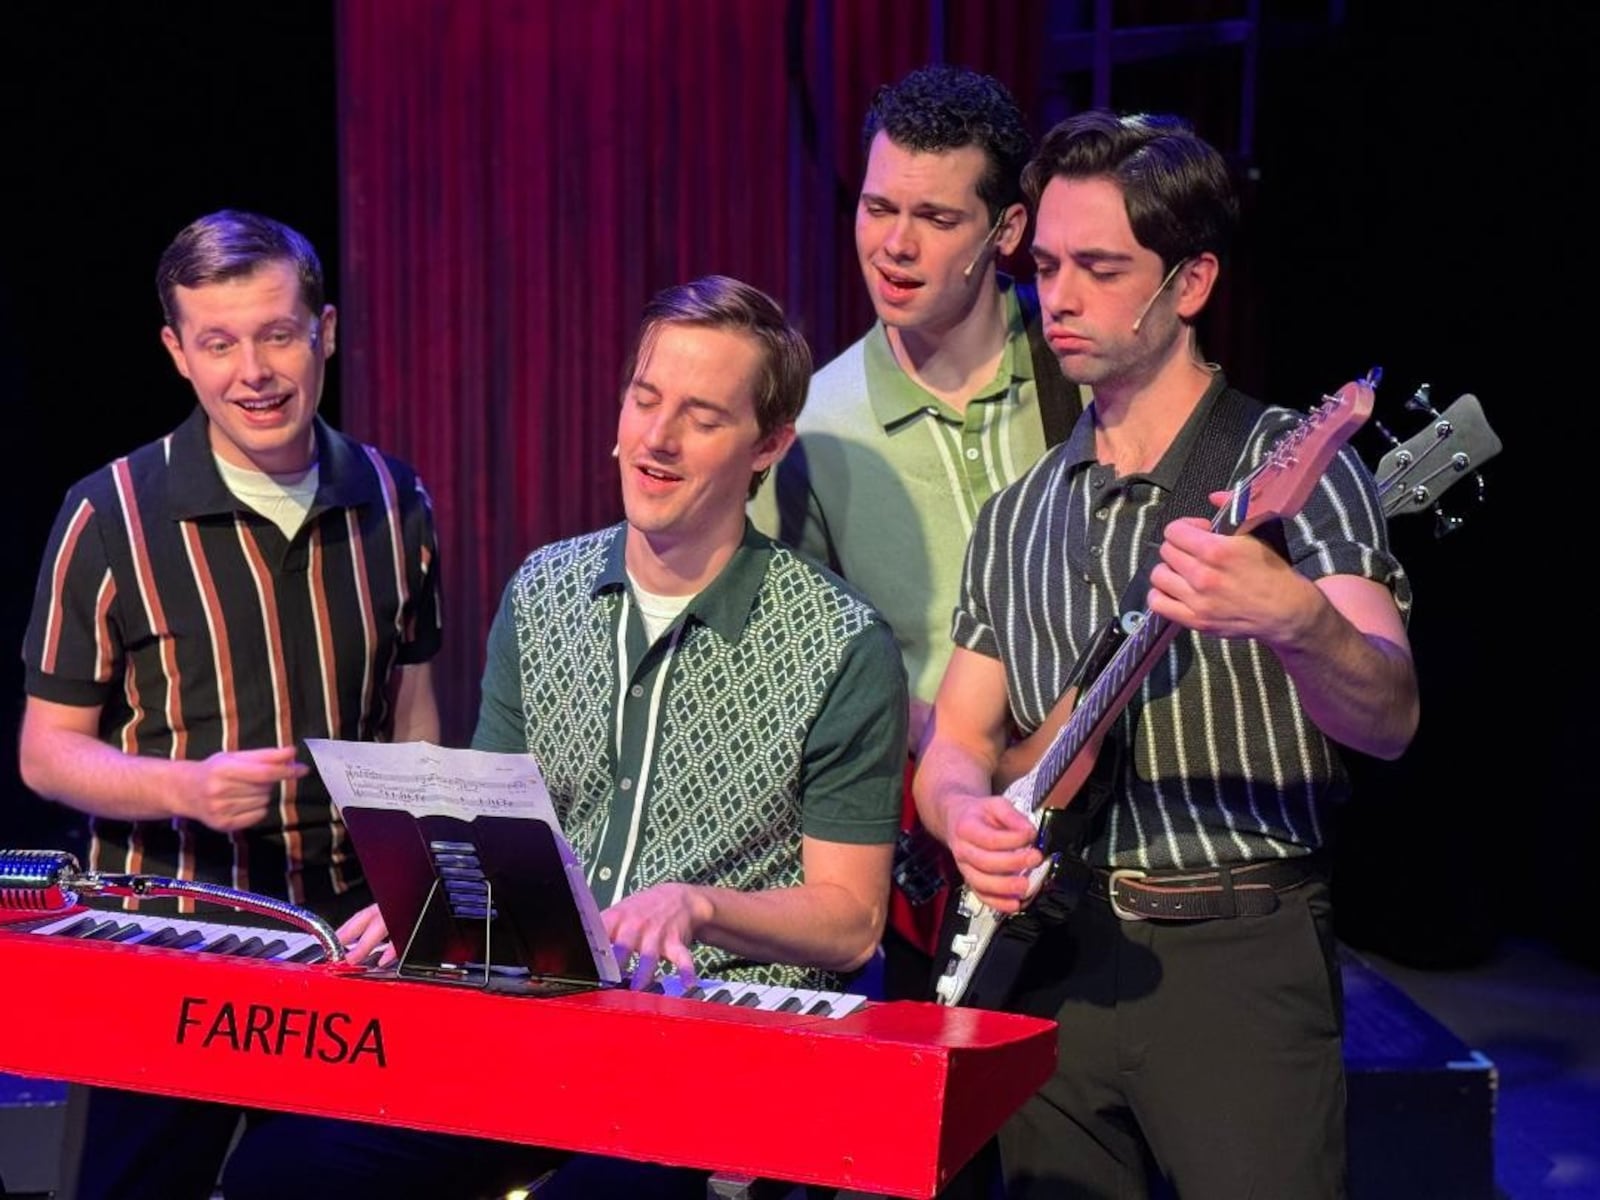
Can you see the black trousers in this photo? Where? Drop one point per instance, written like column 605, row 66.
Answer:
column 1205, row 1057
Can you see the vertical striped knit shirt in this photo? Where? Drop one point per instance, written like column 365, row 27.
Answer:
column 884, row 480
column 197, row 627
column 1217, row 761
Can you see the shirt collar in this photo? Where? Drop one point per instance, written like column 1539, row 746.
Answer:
column 895, row 397
column 725, row 603
column 1079, row 447
column 344, row 478
column 1165, row 473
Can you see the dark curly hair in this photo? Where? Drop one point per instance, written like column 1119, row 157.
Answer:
column 944, row 108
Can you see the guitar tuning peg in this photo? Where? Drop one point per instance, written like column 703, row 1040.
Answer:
column 1422, row 401
column 1374, row 377
column 1384, row 430
column 1444, row 523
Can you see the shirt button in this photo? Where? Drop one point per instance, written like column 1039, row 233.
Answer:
column 626, row 784
column 636, row 691
column 605, row 872
column 972, row 452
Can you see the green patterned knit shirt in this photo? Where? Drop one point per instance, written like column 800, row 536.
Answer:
column 773, row 706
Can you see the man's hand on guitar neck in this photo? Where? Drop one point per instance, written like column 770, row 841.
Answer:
column 992, row 843
column 1341, row 639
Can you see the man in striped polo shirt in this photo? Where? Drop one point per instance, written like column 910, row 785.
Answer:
column 1197, row 989
column 205, row 604
column 719, row 721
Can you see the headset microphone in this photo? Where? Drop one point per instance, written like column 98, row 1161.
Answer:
column 983, row 246
column 1139, row 320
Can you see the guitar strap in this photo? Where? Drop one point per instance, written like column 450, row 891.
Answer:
column 1207, row 466
column 1059, row 401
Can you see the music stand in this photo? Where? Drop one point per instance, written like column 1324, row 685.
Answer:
column 498, row 902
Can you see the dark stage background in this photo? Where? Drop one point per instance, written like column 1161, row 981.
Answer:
column 496, row 191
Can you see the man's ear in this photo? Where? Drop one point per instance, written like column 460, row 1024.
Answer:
column 1196, row 278
column 773, row 446
column 174, row 345
column 328, row 329
column 1013, row 228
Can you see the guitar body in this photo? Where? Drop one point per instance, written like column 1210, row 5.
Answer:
column 983, row 951
column 923, row 876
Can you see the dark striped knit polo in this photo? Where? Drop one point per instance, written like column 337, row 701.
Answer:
column 197, row 627
column 1217, row 762
column 773, row 707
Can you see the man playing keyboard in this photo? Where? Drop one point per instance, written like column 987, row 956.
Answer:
column 720, row 724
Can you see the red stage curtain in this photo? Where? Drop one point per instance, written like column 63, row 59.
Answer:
column 519, row 176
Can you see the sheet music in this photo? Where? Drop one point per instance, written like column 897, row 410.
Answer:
column 425, row 780
column 376, row 786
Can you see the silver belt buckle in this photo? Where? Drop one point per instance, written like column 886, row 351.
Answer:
column 1111, row 892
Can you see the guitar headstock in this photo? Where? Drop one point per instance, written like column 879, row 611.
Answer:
column 1415, row 473
column 1282, row 484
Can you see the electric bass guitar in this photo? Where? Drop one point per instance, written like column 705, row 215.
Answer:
column 1415, row 473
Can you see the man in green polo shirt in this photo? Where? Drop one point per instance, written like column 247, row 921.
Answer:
column 906, row 433
column 719, row 721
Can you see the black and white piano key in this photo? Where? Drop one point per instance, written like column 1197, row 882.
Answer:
column 184, row 933
column 765, row 997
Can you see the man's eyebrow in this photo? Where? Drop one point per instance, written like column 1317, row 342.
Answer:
column 708, row 405
column 1094, row 255
column 700, row 402
column 922, row 208
column 1088, row 257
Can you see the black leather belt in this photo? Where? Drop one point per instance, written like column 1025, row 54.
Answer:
column 1245, row 890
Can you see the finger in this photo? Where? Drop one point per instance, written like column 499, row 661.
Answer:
column 357, row 951
column 1016, row 834
column 682, row 959
column 264, row 772
column 644, row 972
column 624, row 954
column 684, row 965
column 367, row 919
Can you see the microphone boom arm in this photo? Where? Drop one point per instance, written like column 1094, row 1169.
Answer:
column 48, row 880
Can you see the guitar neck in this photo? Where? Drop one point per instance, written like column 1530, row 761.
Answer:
column 1104, row 699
